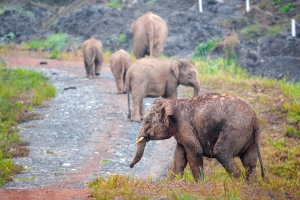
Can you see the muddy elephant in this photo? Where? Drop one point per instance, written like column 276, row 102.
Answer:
column 119, row 64
column 157, row 77
column 149, row 33
column 210, row 125
column 93, row 57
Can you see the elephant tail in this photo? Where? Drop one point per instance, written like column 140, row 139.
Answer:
column 123, row 74
column 257, row 135
column 151, row 38
column 94, row 56
column 128, row 95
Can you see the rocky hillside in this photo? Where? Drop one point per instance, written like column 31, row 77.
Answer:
column 261, row 39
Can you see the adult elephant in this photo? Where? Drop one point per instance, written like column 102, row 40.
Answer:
column 93, row 57
column 210, row 125
column 155, row 77
column 120, row 62
column 149, row 33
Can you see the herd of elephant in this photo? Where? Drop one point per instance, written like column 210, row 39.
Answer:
column 211, row 125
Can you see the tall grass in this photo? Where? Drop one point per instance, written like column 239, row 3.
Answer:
column 53, row 43
column 20, row 90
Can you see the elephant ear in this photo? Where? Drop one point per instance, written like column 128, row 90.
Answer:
column 167, row 110
column 132, row 27
column 175, row 67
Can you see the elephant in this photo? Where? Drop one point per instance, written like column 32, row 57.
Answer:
column 211, row 125
column 93, row 57
column 150, row 34
column 155, row 77
column 119, row 64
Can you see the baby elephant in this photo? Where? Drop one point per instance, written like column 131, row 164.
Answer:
column 211, row 125
column 119, row 64
column 93, row 57
column 155, row 77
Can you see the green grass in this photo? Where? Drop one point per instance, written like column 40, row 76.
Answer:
column 122, row 37
column 54, row 43
column 20, row 90
column 286, row 8
column 114, row 4
column 205, row 48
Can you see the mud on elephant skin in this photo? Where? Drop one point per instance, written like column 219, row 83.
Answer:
column 150, row 34
column 93, row 57
column 211, row 125
column 120, row 62
column 157, row 77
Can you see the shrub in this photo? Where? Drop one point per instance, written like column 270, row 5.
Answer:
column 286, row 7
column 204, row 48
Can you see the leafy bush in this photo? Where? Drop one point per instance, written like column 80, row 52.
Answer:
column 54, row 43
column 204, row 48
column 286, row 7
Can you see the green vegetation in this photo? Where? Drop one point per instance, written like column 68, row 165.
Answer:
column 250, row 31
column 205, row 48
column 254, row 30
column 20, row 10
column 54, row 43
column 286, row 8
column 3, row 9
column 20, row 90
column 114, row 4
column 122, row 37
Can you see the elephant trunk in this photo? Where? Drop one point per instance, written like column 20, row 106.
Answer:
column 139, row 153
column 197, row 90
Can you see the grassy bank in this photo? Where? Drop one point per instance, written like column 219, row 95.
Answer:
column 20, row 91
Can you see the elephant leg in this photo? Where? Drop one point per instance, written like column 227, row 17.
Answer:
column 119, row 84
column 193, row 151
column 124, row 83
column 196, row 164
column 249, row 161
column 92, row 70
column 180, row 161
column 97, row 68
column 136, row 101
column 87, row 70
column 142, row 110
column 224, row 156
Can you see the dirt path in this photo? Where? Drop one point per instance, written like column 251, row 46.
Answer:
column 83, row 133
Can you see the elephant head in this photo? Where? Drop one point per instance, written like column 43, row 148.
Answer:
column 155, row 127
column 187, row 74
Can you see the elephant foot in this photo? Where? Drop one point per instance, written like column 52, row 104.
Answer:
column 135, row 119
column 97, row 74
column 119, row 92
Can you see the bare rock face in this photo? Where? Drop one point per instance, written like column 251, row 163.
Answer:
column 263, row 17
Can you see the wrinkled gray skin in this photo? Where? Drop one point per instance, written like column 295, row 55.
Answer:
column 119, row 64
column 210, row 125
column 156, row 77
column 149, row 34
column 93, row 57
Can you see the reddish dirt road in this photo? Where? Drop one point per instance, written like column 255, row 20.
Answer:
column 109, row 142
